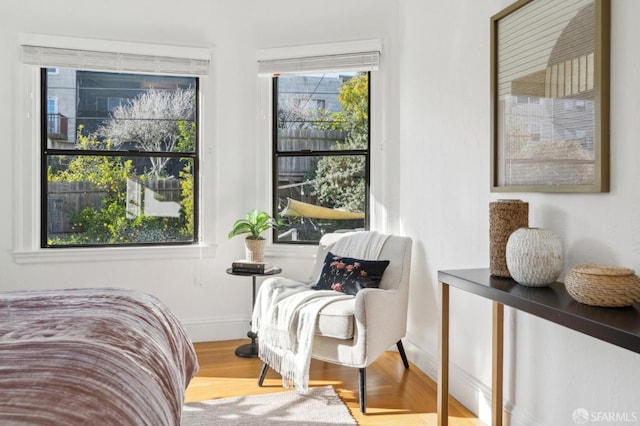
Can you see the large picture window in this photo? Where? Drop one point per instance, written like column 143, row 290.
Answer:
column 321, row 140
column 119, row 158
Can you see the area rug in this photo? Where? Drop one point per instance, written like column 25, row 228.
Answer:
column 320, row 406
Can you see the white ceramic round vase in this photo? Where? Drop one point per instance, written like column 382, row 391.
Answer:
column 534, row 256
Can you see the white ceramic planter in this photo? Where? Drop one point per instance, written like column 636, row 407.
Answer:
column 534, row 256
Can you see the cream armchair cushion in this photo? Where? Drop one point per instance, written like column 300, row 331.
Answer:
column 336, row 320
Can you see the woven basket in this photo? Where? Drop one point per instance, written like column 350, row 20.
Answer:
column 505, row 216
column 601, row 285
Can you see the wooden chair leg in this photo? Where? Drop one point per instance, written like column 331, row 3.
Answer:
column 263, row 372
column 362, row 380
column 403, row 355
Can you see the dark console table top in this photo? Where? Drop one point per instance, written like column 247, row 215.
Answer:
column 619, row 326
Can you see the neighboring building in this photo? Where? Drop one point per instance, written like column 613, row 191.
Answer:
column 295, row 92
column 100, row 92
column 61, row 107
column 86, row 98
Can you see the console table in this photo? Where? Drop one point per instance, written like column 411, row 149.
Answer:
column 619, row 326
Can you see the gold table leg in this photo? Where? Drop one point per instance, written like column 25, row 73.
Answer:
column 497, row 361
column 443, row 365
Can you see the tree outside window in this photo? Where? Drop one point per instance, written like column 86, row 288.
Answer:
column 128, row 176
column 321, row 154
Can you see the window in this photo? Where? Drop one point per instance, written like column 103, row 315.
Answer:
column 119, row 158
column 534, row 132
column 52, row 105
column 306, row 103
column 527, row 100
column 55, row 122
column 128, row 175
column 321, row 156
column 113, row 103
column 573, row 104
column 321, row 138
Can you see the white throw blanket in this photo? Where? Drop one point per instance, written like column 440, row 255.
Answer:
column 360, row 245
column 285, row 320
column 285, row 313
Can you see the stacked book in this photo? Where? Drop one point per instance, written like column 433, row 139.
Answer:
column 248, row 267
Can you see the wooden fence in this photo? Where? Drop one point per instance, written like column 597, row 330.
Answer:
column 66, row 198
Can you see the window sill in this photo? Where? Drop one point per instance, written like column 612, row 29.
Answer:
column 119, row 254
column 291, row 250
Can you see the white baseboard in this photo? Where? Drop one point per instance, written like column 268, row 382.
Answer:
column 468, row 390
column 515, row 416
column 213, row 329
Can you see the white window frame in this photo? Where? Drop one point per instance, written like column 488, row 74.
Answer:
column 26, row 241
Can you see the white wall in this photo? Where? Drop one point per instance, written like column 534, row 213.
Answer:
column 433, row 119
column 235, row 163
column 444, row 100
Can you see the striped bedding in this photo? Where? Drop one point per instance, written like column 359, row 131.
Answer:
column 91, row 357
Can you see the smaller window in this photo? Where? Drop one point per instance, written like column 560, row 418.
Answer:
column 56, row 124
column 574, row 104
column 52, row 105
column 534, row 131
column 527, row 100
column 321, row 157
column 308, row 104
column 113, row 103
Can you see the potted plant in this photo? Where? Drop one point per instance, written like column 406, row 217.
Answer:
column 253, row 224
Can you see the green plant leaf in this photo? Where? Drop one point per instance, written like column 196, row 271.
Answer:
column 255, row 223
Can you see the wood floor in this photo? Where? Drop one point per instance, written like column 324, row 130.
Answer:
column 395, row 396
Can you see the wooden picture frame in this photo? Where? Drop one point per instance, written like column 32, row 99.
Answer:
column 550, row 96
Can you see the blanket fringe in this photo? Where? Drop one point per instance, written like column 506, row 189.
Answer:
column 286, row 329
column 284, row 363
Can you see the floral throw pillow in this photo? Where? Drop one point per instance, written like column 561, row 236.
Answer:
column 349, row 275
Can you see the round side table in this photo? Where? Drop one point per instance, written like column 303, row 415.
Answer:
column 250, row 350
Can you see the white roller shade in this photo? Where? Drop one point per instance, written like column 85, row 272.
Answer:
column 352, row 56
column 114, row 56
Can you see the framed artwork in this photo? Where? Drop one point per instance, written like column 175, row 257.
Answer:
column 550, row 96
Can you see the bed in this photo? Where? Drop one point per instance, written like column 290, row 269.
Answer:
column 91, row 356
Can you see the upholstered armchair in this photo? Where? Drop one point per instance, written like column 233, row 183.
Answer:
column 356, row 331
